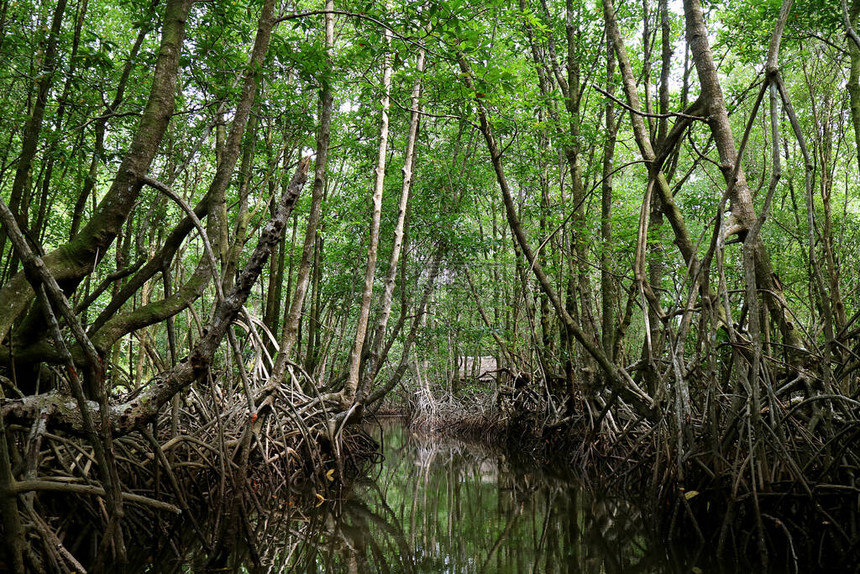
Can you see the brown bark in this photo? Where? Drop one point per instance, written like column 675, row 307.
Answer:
column 682, row 234
column 151, row 313
column 743, row 215
column 656, row 253
column 161, row 260
column 607, row 287
column 127, row 417
column 277, row 265
column 74, row 260
column 618, row 380
column 13, row 532
column 100, row 128
column 111, row 325
column 291, row 328
column 580, row 232
column 569, row 83
column 50, row 297
column 229, row 154
column 243, row 217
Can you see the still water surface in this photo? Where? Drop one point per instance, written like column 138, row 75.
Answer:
column 439, row 505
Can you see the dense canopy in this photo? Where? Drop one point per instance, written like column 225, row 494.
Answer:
column 643, row 216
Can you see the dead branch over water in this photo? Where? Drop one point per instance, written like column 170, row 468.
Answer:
column 134, row 392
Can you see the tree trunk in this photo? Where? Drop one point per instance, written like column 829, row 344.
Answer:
column 391, row 276
column 234, row 251
column 607, row 285
column 348, row 396
column 312, row 352
column 417, row 321
column 128, row 417
column 854, row 73
column 18, row 197
column 682, row 234
column 38, row 225
column 618, row 380
column 100, row 127
column 742, row 210
column 74, row 260
column 291, row 328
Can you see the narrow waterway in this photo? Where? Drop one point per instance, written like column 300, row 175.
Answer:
column 440, row 505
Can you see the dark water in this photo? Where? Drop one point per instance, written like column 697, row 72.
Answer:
column 439, row 505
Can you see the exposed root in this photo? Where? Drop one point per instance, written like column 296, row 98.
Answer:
column 208, row 451
column 752, row 484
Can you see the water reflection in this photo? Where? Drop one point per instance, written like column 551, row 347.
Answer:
column 440, row 506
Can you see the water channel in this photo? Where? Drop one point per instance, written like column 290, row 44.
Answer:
column 440, row 505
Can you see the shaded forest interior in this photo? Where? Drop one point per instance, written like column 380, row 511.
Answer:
column 626, row 231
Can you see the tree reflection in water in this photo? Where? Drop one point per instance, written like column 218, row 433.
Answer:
column 438, row 505
column 442, row 506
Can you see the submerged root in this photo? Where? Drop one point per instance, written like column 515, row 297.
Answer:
column 208, row 451
column 777, row 485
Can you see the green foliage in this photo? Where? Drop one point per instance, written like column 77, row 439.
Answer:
column 456, row 202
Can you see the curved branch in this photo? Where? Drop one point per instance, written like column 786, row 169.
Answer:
column 20, row 487
column 76, row 259
column 64, row 412
column 639, row 112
